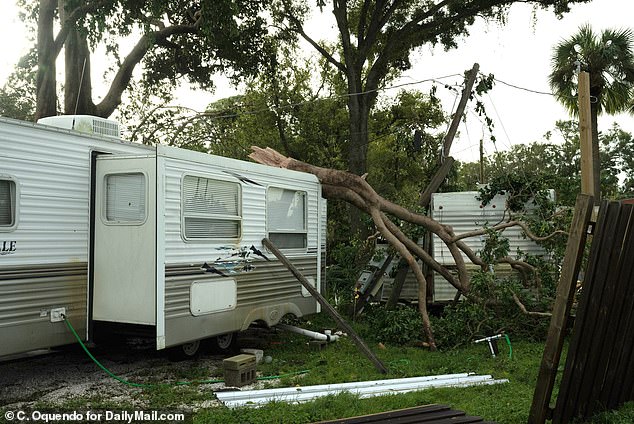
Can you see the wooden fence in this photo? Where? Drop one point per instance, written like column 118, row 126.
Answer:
column 599, row 370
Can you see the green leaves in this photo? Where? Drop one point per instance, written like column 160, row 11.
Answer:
column 608, row 57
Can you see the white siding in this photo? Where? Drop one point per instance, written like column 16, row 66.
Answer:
column 52, row 169
column 463, row 212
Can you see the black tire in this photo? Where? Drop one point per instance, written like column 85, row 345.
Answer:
column 185, row 351
column 223, row 344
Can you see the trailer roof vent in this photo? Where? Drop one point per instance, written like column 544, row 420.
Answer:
column 85, row 124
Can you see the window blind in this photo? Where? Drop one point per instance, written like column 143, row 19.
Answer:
column 125, row 197
column 211, row 208
column 7, row 203
column 286, row 218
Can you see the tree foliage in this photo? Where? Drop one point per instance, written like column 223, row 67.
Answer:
column 376, row 39
column 528, row 169
column 403, row 150
column 174, row 40
column 17, row 95
column 609, row 59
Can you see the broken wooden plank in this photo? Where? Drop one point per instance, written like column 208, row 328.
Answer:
column 327, row 307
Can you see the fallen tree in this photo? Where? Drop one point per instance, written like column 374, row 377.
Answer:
column 355, row 190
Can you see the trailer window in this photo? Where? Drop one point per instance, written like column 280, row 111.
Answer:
column 125, row 198
column 211, row 209
column 286, row 218
column 7, row 204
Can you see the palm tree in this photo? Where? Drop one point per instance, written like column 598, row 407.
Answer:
column 609, row 59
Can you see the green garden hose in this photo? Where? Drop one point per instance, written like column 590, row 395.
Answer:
column 508, row 342
column 178, row 383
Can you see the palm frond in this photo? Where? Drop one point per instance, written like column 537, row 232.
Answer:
column 608, row 57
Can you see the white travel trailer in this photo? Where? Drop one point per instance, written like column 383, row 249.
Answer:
column 464, row 213
column 154, row 241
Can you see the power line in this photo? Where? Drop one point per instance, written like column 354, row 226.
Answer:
column 530, row 90
column 210, row 114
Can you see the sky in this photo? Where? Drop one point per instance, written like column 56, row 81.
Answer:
column 517, row 53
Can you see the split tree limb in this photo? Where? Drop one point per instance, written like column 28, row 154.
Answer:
column 508, row 224
column 356, row 191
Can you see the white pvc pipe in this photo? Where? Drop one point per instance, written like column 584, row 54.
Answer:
column 308, row 333
column 362, row 389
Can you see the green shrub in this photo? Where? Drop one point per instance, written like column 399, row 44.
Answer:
column 399, row 326
column 346, row 260
column 491, row 311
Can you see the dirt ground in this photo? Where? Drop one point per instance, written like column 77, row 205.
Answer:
column 69, row 377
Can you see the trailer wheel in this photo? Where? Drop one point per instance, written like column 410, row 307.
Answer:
column 184, row 351
column 224, row 343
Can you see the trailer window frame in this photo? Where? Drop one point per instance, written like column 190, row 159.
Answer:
column 14, row 203
column 211, row 216
column 145, row 191
column 273, row 230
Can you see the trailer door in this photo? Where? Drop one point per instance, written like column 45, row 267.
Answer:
column 125, row 240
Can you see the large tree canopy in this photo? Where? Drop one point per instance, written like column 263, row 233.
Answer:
column 377, row 37
column 174, row 40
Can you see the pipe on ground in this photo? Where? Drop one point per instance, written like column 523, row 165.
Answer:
column 308, row 333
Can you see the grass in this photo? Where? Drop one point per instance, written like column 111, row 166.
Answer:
column 342, row 362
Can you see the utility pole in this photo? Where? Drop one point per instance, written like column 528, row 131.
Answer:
column 585, row 137
column 466, row 93
column 447, row 161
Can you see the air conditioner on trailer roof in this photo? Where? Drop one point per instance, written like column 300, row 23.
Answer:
column 85, row 124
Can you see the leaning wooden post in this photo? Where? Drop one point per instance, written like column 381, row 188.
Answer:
column 446, row 160
column 588, row 179
column 561, row 310
column 327, row 307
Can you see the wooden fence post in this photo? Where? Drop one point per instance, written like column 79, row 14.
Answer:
column 540, row 407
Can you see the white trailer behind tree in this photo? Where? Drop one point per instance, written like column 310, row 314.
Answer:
column 464, row 213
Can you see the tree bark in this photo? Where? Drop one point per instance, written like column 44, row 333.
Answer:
column 46, row 81
column 77, row 79
column 358, row 111
column 358, row 146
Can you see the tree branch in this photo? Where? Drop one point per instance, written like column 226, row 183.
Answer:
column 72, row 18
column 340, row 10
column 377, row 22
column 122, row 78
column 505, row 225
column 519, row 303
column 363, row 15
column 300, row 30
column 420, row 278
column 423, row 255
column 356, row 191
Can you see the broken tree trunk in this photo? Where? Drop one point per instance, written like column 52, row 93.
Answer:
column 355, row 190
